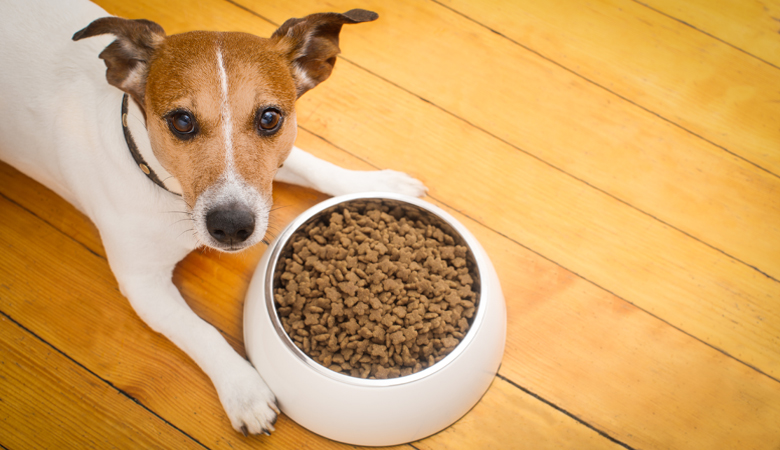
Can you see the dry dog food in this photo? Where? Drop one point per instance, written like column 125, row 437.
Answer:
column 372, row 293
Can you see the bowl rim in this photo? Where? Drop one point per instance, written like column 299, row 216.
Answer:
column 280, row 242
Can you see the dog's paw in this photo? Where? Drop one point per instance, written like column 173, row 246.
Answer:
column 354, row 182
column 399, row 183
column 249, row 404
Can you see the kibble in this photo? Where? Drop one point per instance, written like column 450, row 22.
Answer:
column 373, row 293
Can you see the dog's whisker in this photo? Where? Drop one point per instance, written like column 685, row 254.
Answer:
column 182, row 220
column 192, row 230
column 279, row 207
column 135, row 117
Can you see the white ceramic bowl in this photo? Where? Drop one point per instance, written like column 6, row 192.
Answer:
column 376, row 412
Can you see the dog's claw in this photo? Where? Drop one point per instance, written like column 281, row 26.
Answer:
column 248, row 401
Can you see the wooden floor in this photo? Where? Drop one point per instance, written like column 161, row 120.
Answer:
column 619, row 160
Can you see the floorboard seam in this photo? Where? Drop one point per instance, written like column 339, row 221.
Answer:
column 567, row 413
column 120, row 391
column 706, row 33
column 2, row 194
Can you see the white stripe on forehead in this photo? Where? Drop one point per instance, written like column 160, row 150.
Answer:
column 227, row 120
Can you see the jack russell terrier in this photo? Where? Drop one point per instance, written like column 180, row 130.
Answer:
column 203, row 121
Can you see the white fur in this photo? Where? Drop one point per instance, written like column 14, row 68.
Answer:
column 227, row 120
column 60, row 124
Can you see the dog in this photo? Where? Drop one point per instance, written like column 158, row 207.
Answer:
column 201, row 121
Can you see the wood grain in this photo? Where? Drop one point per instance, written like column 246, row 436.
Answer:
column 45, row 397
column 749, row 25
column 701, row 84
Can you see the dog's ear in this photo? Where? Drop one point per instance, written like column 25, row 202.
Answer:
column 127, row 58
column 312, row 43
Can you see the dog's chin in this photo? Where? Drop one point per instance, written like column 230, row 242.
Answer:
column 230, row 248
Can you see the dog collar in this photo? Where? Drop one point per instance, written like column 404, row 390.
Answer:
column 149, row 165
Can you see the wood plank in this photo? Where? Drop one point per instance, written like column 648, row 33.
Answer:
column 47, row 401
column 39, row 200
column 578, row 127
column 749, row 25
column 704, row 85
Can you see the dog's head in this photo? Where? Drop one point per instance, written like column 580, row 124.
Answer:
column 220, row 109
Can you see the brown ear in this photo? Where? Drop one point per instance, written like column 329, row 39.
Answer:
column 127, row 58
column 312, row 44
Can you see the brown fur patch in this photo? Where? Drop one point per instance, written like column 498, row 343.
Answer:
column 127, row 57
column 312, row 43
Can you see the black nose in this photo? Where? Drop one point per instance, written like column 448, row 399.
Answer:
column 230, row 224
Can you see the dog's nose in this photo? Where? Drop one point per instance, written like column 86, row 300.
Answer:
column 230, row 224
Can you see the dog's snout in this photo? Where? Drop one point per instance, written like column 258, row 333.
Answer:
column 231, row 224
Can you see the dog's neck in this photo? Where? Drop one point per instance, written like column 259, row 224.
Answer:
column 141, row 148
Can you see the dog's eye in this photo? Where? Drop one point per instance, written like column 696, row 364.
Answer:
column 268, row 121
column 182, row 124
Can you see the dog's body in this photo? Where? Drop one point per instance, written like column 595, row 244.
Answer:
column 220, row 124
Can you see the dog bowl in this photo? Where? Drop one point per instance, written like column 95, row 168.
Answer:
column 376, row 412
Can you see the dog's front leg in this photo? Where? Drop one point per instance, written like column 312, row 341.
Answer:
column 249, row 404
column 307, row 170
